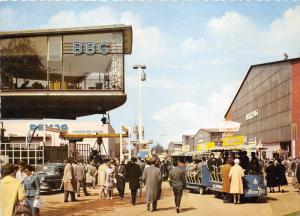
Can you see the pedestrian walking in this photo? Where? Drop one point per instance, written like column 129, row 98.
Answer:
column 32, row 189
column 153, row 179
column 120, row 176
column 12, row 188
column 69, row 181
column 296, row 180
column 225, row 170
column 101, row 178
column 236, row 185
column 177, row 182
column 93, row 174
column 133, row 174
column 271, row 176
column 80, row 178
column 280, row 175
column 142, row 167
column 20, row 175
column 110, row 180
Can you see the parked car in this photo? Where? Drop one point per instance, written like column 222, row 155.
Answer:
column 50, row 176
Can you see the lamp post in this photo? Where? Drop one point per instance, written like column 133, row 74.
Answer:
column 142, row 77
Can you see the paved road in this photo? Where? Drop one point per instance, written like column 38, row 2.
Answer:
column 276, row 204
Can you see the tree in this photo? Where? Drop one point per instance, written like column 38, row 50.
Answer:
column 158, row 149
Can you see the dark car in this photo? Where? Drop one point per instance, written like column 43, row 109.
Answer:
column 50, row 176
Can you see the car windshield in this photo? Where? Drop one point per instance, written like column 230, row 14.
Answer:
column 45, row 169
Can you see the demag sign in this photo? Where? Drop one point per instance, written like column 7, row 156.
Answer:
column 41, row 126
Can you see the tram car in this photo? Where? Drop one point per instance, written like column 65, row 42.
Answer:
column 206, row 179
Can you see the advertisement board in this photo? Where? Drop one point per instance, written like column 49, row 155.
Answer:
column 233, row 140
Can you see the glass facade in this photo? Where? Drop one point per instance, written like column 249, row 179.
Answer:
column 63, row 62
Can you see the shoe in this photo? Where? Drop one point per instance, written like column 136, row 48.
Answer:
column 107, row 197
column 75, row 200
column 65, row 200
column 111, row 198
column 177, row 210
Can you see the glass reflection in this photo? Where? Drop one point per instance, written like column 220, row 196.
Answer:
column 48, row 63
column 23, row 63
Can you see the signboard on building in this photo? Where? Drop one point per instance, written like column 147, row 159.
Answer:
column 252, row 114
column 233, row 141
column 206, row 146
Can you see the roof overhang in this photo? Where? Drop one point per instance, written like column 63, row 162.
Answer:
column 126, row 29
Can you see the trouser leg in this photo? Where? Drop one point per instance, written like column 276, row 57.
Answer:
column 72, row 195
column 66, row 196
column 122, row 188
column 154, row 205
column 179, row 196
column 133, row 196
column 78, row 183
column 84, row 187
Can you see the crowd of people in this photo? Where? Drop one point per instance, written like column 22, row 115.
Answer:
column 230, row 167
column 110, row 175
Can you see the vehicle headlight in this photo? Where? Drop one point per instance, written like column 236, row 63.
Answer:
column 42, row 178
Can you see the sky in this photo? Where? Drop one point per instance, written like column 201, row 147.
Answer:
column 196, row 53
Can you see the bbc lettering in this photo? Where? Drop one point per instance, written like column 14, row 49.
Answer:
column 90, row 48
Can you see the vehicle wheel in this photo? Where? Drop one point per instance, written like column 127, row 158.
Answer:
column 201, row 190
column 49, row 191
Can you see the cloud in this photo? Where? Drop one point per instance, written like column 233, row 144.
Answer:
column 283, row 34
column 186, row 117
column 101, row 15
column 10, row 18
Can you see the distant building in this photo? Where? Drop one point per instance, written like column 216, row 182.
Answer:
column 207, row 135
column 268, row 107
column 174, row 147
column 188, row 142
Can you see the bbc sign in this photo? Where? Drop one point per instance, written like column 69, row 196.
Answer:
column 90, row 48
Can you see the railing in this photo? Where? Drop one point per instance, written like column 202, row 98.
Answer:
column 32, row 153
column 89, row 84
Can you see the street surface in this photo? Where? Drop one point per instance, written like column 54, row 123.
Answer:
column 276, row 204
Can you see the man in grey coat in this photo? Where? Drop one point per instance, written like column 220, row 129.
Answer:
column 152, row 178
column 80, row 178
column 177, row 182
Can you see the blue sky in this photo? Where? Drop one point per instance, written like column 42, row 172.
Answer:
column 197, row 53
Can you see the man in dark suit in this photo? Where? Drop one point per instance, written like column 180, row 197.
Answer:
column 133, row 174
column 177, row 182
column 80, row 178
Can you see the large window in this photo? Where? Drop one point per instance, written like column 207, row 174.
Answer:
column 63, row 62
column 23, row 63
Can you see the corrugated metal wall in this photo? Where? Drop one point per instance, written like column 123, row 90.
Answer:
column 268, row 89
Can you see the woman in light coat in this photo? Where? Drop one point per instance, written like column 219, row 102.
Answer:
column 12, row 188
column 236, row 185
column 101, row 178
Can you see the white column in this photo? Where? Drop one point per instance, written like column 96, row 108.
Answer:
column 141, row 137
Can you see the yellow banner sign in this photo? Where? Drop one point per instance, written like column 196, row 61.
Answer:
column 233, row 141
column 205, row 146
